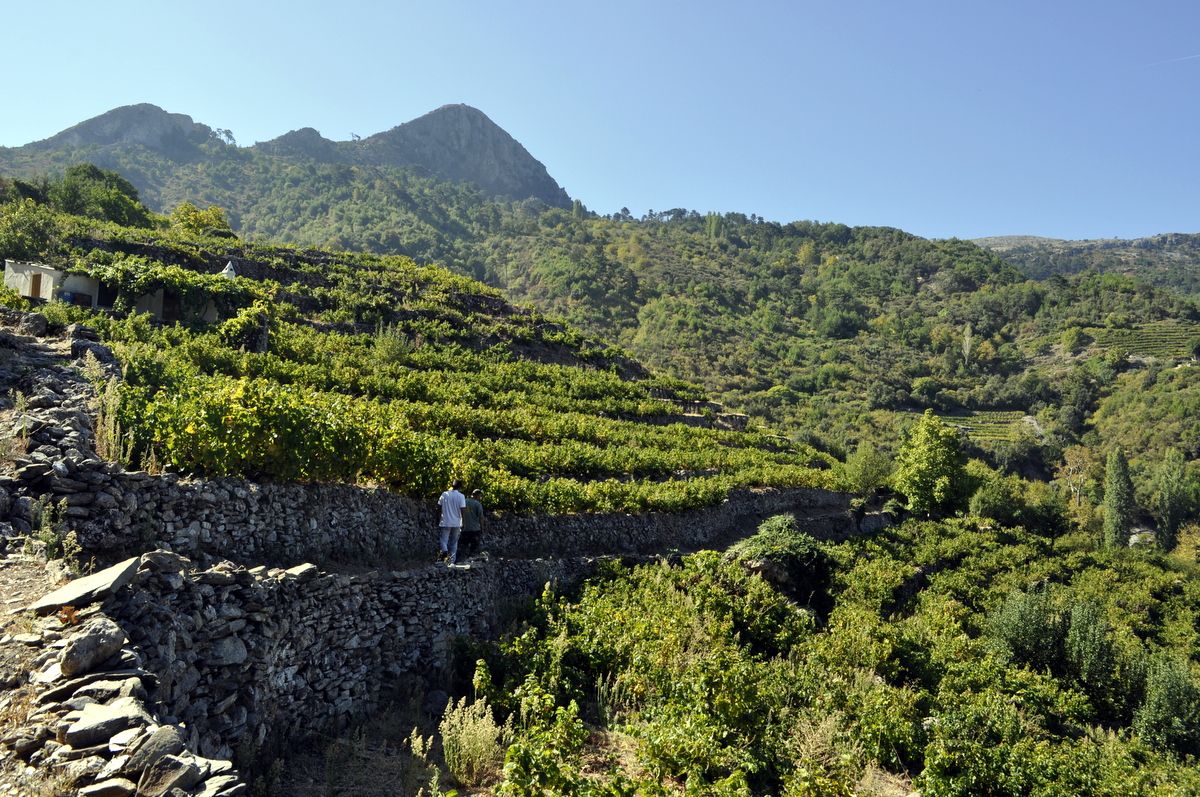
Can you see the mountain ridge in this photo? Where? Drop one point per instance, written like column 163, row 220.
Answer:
column 452, row 143
column 1169, row 259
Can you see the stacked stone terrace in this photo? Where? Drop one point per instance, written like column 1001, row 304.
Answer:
column 235, row 613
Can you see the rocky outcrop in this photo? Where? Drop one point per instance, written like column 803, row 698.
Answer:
column 303, row 143
column 458, row 142
column 132, row 125
column 454, row 142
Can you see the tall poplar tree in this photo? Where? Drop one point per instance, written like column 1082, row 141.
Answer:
column 1118, row 500
column 1171, row 498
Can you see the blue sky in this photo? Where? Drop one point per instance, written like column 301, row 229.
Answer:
column 959, row 118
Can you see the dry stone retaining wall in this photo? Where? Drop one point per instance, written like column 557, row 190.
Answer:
column 117, row 514
column 93, row 723
column 250, row 654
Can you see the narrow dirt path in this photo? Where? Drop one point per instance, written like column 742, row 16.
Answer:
column 23, row 580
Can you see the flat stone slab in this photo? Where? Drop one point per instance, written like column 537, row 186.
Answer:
column 89, row 589
column 166, row 740
column 68, row 688
column 304, row 572
column 99, row 723
column 115, row 787
column 168, row 773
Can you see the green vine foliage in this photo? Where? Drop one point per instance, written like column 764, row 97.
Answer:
column 1010, row 667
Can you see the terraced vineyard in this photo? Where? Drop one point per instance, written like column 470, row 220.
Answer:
column 987, row 426
column 1163, row 339
column 337, row 367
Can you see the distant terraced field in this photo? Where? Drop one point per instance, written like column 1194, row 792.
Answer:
column 987, row 426
column 1163, row 339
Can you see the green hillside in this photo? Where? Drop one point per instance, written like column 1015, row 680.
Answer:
column 1029, row 627
column 828, row 333
column 954, row 658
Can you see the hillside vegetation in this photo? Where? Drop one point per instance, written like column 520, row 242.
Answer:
column 831, row 334
column 957, row 658
column 1028, row 628
column 836, row 336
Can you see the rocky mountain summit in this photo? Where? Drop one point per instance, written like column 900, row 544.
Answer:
column 131, row 125
column 458, row 142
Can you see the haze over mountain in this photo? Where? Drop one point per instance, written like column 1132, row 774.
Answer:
column 158, row 150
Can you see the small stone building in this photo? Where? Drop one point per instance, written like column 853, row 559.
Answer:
column 41, row 283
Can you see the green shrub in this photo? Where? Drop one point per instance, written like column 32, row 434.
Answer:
column 867, row 469
column 793, row 561
column 1029, row 627
column 1169, row 717
column 999, row 499
column 1088, row 648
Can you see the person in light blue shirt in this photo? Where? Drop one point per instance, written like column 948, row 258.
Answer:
column 451, row 504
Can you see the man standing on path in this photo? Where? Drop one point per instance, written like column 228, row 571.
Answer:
column 450, row 526
column 472, row 529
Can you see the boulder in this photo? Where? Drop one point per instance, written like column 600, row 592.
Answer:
column 161, row 561
column 229, row 650
column 33, row 324
column 101, row 352
column 167, row 774
column 166, row 740
column 99, row 639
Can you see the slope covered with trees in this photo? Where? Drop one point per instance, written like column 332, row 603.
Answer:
column 1007, row 638
column 954, row 657
column 1170, row 259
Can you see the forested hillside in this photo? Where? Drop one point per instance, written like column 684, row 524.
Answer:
column 948, row 659
column 1171, row 260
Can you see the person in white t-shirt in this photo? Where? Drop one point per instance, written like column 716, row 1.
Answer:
column 451, row 503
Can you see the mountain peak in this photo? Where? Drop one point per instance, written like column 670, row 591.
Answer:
column 305, row 142
column 144, row 124
column 459, row 142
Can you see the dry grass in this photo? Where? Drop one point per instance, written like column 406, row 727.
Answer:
column 876, row 782
column 610, row 752
column 473, row 743
column 392, row 754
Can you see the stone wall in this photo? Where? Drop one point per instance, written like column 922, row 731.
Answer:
column 117, row 514
column 247, row 654
column 93, row 723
